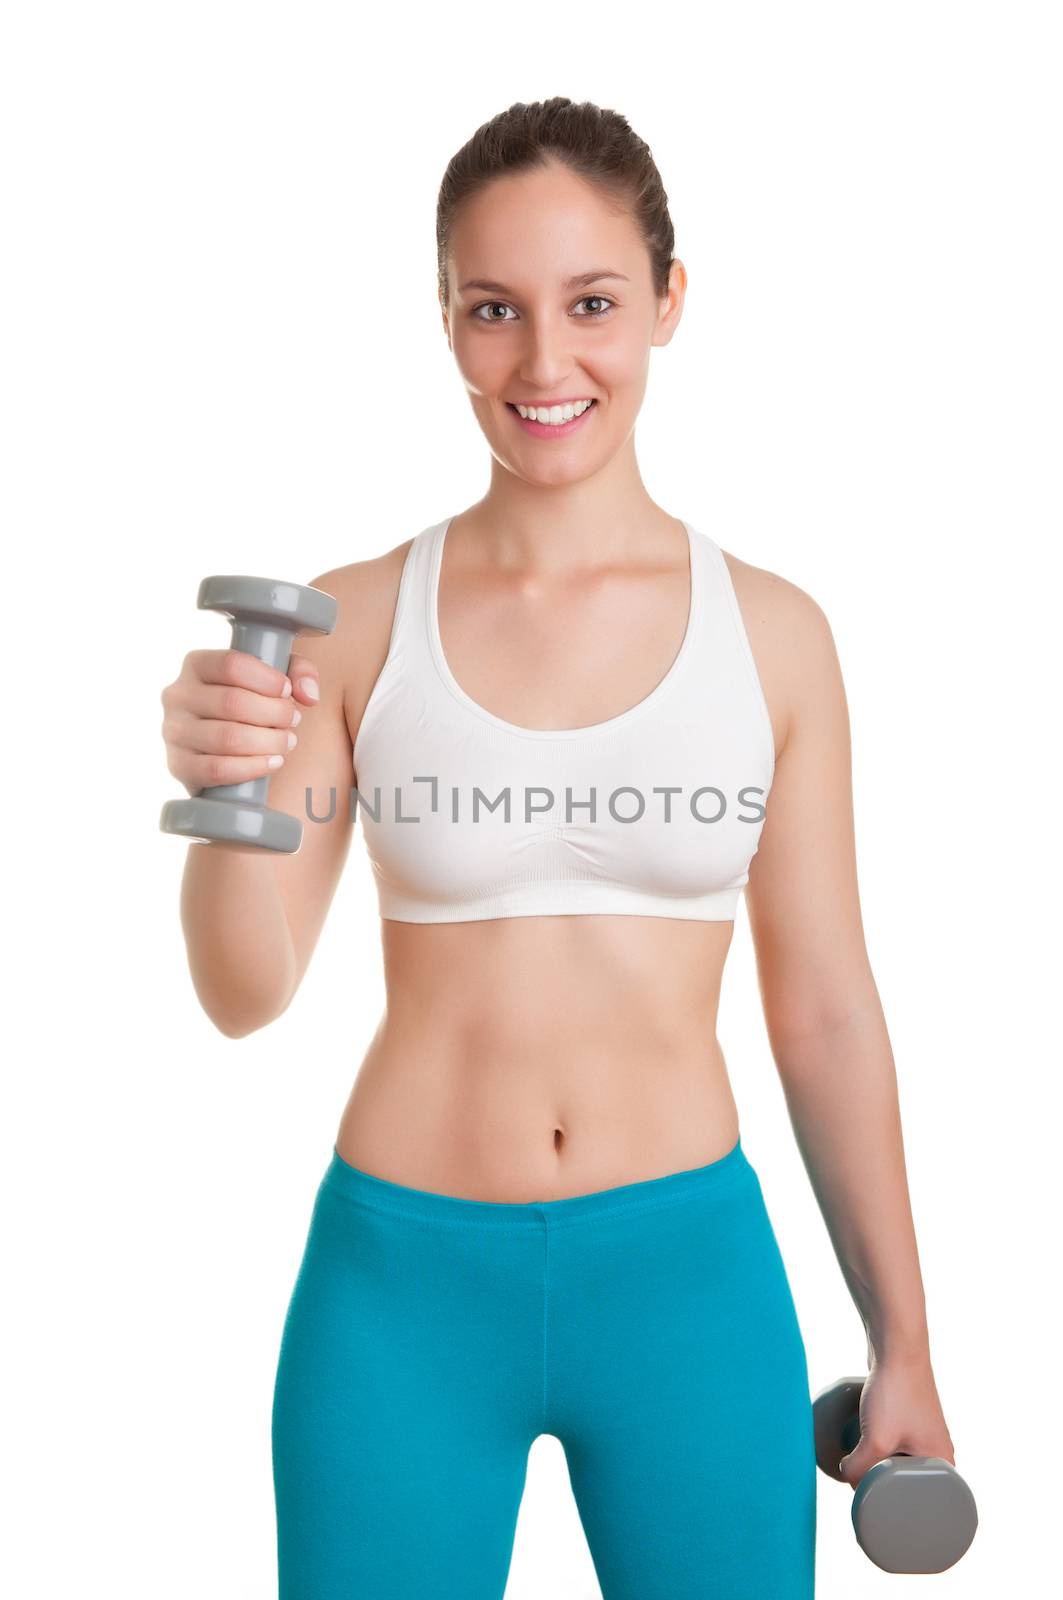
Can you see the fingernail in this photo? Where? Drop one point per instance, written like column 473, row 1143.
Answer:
column 275, row 761
column 286, row 691
column 309, row 688
column 297, row 717
column 293, row 740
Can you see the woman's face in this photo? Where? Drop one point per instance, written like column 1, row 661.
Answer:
column 551, row 300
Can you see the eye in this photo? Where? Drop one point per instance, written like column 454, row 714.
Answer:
column 601, row 299
column 492, row 305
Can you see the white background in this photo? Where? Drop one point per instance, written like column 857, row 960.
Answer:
column 222, row 351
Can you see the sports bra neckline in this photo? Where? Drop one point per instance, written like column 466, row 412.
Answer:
column 589, row 730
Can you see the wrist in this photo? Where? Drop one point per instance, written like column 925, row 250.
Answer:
column 902, row 1341
column 895, row 1349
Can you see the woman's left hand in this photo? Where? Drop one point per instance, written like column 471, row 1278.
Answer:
column 900, row 1413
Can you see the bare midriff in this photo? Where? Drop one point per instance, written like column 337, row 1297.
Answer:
column 536, row 1058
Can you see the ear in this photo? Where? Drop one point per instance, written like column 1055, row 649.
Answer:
column 671, row 304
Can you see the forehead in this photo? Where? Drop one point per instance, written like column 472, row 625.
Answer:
column 544, row 225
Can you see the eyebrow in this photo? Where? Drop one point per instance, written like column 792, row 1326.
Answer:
column 579, row 282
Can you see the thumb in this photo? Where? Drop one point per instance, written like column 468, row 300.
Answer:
column 305, row 679
column 858, row 1462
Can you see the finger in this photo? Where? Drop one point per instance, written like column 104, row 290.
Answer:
column 207, row 736
column 208, row 771
column 228, row 703
column 240, row 669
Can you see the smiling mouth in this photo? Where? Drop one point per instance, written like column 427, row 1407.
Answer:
column 560, row 423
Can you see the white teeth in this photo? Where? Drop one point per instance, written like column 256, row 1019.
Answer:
column 554, row 414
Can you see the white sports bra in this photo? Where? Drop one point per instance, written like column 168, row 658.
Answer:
column 656, row 812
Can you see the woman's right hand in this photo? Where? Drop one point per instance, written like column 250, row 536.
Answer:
column 228, row 717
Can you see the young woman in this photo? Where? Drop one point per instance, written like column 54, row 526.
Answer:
column 564, row 711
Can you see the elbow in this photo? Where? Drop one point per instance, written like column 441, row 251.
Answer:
column 239, row 1024
column 239, row 1010
column 236, row 1028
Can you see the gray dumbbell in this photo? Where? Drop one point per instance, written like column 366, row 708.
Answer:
column 910, row 1513
column 266, row 616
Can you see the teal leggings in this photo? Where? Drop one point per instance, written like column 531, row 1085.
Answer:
column 430, row 1339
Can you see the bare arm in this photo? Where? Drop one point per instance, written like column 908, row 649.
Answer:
column 251, row 921
column 822, row 1009
column 252, row 924
column 828, row 1034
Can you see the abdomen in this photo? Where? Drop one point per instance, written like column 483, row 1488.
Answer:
column 537, row 1057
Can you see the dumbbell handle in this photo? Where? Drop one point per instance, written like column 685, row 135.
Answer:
column 273, row 645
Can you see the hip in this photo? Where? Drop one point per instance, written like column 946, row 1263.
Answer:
column 649, row 1327
column 671, row 1275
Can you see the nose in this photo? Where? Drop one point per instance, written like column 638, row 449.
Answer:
column 549, row 355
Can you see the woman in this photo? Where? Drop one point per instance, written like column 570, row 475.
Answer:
column 565, row 710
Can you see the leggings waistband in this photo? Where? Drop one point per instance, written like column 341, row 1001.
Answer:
column 397, row 1199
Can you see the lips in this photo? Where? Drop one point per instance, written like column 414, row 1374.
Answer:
column 552, row 430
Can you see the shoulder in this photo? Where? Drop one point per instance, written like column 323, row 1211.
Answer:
column 791, row 640
column 364, row 585
column 367, row 594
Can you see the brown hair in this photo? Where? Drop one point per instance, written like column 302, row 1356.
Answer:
column 598, row 145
